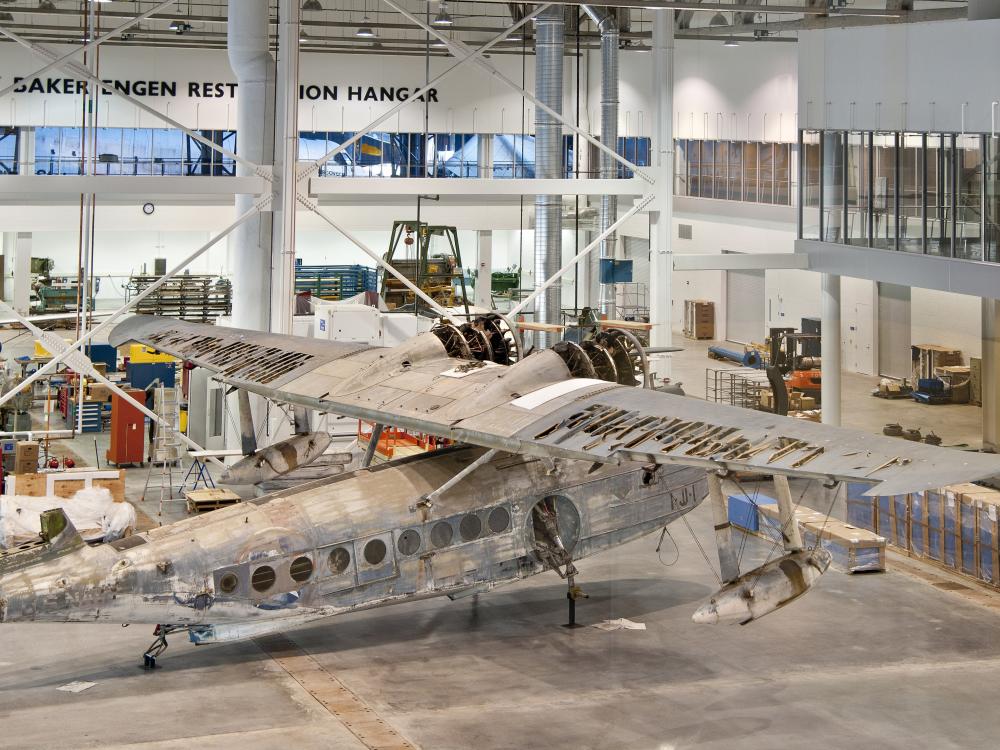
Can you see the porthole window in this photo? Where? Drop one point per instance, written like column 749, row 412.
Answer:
column 470, row 528
column 408, row 543
column 375, row 552
column 441, row 534
column 301, row 569
column 263, row 578
column 228, row 583
column 499, row 520
column 340, row 559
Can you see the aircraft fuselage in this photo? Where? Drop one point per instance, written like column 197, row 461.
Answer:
column 357, row 541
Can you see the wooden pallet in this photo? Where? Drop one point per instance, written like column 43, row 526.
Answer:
column 202, row 501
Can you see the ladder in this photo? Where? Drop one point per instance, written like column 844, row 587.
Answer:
column 166, row 448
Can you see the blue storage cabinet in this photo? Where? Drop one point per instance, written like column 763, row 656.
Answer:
column 141, row 374
column 743, row 512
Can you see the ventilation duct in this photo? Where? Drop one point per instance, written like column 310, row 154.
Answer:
column 608, row 213
column 550, row 31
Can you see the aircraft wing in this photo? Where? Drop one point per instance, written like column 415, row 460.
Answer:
column 535, row 407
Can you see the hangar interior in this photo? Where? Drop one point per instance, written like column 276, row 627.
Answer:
column 788, row 215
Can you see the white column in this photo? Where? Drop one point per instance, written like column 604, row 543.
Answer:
column 285, row 158
column 830, row 351
column 991, row 374
column 661, row 213
column 484, row 155
column 250, row 243
column 21, row 294
column 484, row 269
column 26, row 151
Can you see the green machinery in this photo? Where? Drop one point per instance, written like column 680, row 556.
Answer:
column 439, row 275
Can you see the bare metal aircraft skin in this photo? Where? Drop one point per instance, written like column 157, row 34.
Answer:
column 555, row 468
column 352, row 543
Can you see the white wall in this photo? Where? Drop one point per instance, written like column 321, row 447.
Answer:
column 920, row 77
column 737, row 93
column 947, row 319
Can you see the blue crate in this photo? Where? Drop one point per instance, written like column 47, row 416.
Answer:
column 743, row 511
column 141, row 374
column 103, row 353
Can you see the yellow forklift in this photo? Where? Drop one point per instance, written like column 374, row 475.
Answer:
column 429, row 256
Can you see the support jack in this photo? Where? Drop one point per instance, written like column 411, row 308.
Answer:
column 573, row 592
column 157, row 647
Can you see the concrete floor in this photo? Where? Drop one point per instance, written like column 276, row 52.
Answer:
column 874, row 659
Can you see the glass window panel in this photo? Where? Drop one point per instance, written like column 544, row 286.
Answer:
column 810, row 176
column 884, row 190
column 782, row 174
column 856, row 231
column 735, row 171
column 765, row 188
column 721, row 164
column 66, row 151
column 751, row 172
column 109, row 151
column 992, row 207
column 694, row 167
column 969, row 206
column 833, row 186
column 681, row 167
column 168, row 152
column 911, row 193
column 940, row 191
column 707, row 169
column 8, row 150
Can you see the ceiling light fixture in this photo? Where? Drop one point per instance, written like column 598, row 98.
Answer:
column 179, row 27
column 442, row 18
column 46, row 5
column 312, row 5
column 5, row 16
column 365, row 32
column 730, row 42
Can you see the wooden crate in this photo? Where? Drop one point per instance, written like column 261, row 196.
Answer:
column 956, row 527
column 201, row 501
column 699, row 319
column 66, row 483
column 853, row 548
column 976, row 381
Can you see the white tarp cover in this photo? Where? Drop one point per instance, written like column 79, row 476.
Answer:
column 93, row 511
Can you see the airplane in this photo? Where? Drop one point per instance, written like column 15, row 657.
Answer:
column 556, row 457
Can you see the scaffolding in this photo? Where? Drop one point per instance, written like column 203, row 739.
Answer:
column 736, row 386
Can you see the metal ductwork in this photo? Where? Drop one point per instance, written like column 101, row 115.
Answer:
column 250, row 244
column 608, row 27
column 550, row 31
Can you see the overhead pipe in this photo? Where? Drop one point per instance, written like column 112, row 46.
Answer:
column 606, row 24
column 550, row 32
column 250, row 246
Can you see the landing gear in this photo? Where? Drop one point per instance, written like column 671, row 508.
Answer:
column 555, row 528
column 158, row 646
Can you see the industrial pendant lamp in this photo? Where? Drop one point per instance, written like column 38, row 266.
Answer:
column 730, row 42
column 312, row 5
column 442, row 18
column 365, row 31
column 46, row 5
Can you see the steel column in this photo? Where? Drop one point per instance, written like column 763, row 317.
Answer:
column 662, row 208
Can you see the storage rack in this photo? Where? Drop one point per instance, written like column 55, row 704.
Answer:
column 335, row 283
column 199, row 298
column 735, row 386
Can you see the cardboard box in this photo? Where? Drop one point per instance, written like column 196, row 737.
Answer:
column 26, row 457
column 99, row 392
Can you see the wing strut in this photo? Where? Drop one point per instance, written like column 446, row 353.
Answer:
column 728, row 560
column 790, row 534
